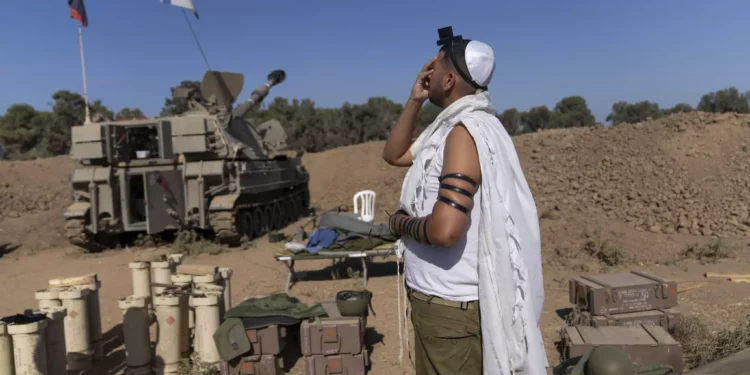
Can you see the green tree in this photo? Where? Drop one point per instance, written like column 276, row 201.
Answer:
column 427, row 114
column 679, row 108
column 624, row 112
column 308, row 125
column 128, row 114
column 571, row 112
column 28, row 133
column 511, row 120
column 376, row 118
column 725, row 100
column 21, row 130
column 279, row 108
column 68, row 111
column 537, row 118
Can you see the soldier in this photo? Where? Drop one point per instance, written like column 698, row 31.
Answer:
column 467, row 225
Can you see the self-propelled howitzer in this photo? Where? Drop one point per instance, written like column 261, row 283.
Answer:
column 207, row 169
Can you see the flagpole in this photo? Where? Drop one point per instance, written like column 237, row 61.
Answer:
column 83, row 71
column 184, row 13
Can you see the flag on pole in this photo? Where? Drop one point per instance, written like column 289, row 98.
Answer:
column 78, row 12
column 187, row 4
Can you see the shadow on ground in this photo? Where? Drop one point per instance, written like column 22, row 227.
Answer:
column 350, row 268
column 7, row 249
column 114, row 358
column 372, row 337
column 564, row 312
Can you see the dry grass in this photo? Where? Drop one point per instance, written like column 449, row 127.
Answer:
column 606, row 251
column 701, row 346
column 707, row 252
column 189, row 242
column 194, row 367
column 148, row 240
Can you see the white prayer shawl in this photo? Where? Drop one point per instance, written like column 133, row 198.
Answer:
column 509, row 239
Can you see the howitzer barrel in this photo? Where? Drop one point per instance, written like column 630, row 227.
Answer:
column 260, row 93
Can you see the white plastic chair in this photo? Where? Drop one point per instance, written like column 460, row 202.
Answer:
column 367, row 213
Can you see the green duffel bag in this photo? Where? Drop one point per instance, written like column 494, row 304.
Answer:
column 231, row 339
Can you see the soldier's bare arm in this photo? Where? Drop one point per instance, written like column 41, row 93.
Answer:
column 396, row 151
column 460, row 178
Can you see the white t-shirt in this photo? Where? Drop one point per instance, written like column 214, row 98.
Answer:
column 449, row 273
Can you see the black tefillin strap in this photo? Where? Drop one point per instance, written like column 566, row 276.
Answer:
column 457, row 189
column 447, row 39
column 416, row 227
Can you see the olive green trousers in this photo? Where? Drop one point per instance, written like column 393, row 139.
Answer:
column 447, row 339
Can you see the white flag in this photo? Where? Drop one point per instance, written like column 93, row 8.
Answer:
column 187, row 4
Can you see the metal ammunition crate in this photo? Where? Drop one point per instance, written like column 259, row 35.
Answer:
column 665, row 318
column 645, row 345
column 267, row 340
column 342, row 364
column 254, row 365
column 621, row 293
column 344, row 335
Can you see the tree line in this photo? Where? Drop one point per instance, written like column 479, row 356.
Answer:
column 27, row 133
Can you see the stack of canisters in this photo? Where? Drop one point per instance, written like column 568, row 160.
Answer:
column 82, row 326
column 631, row 311
column 624, row 299
column 335, row 344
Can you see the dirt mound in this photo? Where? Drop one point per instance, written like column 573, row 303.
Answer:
column 33, row 195
column 34, row 186
column 336, row 175
column 686, row 173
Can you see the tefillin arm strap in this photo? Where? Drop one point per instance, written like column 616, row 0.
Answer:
column 416, row 227
column 447, row 39
column 457, row 189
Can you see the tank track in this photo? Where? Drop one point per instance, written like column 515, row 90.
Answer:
column 75, row 232
column 229, row 226
column 256, row 219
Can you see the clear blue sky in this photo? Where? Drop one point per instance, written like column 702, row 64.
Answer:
column 333, row 51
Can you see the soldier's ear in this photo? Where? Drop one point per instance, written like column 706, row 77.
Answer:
column 451, row 79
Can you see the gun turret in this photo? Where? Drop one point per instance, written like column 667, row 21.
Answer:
column 260, row 92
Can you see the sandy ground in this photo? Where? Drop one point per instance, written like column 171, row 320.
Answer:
column 257, row 273
column 650, row 189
